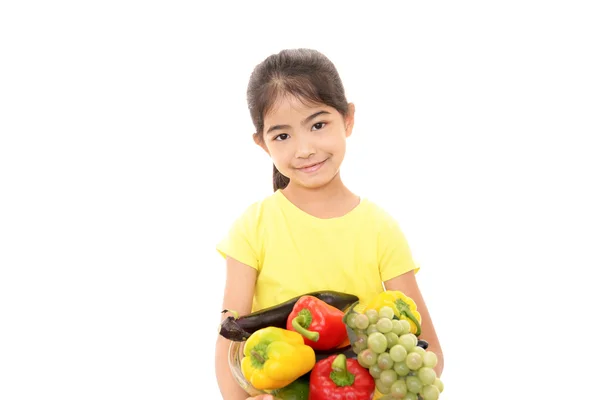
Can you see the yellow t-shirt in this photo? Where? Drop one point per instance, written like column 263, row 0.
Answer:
column 296, row 253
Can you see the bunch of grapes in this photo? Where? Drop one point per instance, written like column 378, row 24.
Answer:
column 401, row 368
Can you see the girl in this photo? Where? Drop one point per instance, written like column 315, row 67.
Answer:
column 313, row 233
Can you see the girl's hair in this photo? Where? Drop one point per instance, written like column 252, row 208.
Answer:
column 303, row 73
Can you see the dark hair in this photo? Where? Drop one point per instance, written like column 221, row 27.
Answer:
column 304, row 73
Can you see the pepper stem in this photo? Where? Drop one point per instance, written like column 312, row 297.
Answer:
column 310, row 335
column 339, row 372
column 301, row 323
column 257, row 356
column 404, row 309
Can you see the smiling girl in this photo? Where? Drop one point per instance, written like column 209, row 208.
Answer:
column 313, row 233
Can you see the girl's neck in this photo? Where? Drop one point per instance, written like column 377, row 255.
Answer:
column 330, row 201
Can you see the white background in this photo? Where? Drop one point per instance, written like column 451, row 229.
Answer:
column 126, row 152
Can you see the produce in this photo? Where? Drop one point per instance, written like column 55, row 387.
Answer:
column 299, row 350
column 321, row 324
column 395, row 357
column 297, row 390
column 403, row 307
column 345, row 350
column 238, row 328
column 275, row 357
column 339, row 378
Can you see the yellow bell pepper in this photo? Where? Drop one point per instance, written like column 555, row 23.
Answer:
column 404, row 307
column 275, row 357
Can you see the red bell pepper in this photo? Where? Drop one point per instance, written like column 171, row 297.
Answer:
column 321, row 324
column 338, row 378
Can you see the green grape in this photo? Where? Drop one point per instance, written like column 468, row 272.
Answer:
column 384, row 361
column 430, row 392
column 351, row 321
column 384, row 389
column 384, row 325
column 414, row 361
column 397, row 327
column 419, row 350
column 426, row 375
column 375, row 371
column 377, row 342
column 372, row 328
column 401, row 368
column 439, row 384
column 373, row 315
column 367, row 358
column 388, row 377
column 398, row 389
column 392, row 339
column 386, row 312
column 430, row 359
column 359, row 331
column 405, row 326
column 361, row 321
column 413, row 384
column 361, row 361
column 398, row 353
column 360, row 343
column 408, row 340
column 410, row 396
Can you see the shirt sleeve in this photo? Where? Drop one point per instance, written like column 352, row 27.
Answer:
column 241, row 241
column 395, row 257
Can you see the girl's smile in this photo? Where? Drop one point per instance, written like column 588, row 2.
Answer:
column 312, row 167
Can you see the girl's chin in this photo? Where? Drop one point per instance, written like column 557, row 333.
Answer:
column 314, row 183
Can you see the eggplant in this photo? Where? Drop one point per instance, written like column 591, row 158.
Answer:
column 423, row 343
column 346, row 350
column 238, row 329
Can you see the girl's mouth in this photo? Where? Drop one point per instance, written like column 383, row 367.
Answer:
column 313, row 167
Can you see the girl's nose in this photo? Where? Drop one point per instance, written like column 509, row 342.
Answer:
column 305, row 149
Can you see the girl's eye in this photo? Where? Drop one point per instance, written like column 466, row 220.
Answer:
column 283, row 136
column 319, row 126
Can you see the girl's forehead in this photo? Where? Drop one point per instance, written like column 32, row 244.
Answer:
column 290, row 105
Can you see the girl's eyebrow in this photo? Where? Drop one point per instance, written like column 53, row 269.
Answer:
column 304, row 122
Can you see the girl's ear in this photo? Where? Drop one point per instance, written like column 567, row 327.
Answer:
column 349, row 120
column 259, row 141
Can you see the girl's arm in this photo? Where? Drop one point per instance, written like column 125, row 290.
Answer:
column 238, row 295
column 407, row 284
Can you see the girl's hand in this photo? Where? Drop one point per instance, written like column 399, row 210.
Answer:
column 262, row 397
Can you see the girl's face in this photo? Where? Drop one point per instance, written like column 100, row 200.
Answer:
column 306, row 142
